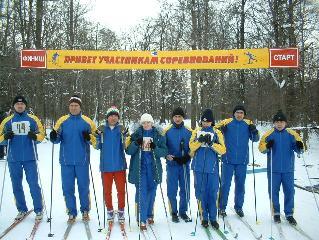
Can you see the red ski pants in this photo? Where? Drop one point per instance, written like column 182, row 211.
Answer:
column 119, row 179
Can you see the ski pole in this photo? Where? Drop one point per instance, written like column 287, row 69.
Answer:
column 128, row 205
column 160, row 184
column 220, row 192
column 102, row 178
column 271, row 203
column 50, row 234
column 186, row 186
column 124, row 164
column 254, row 176
column 97, row 209
column 201, row 194
column 139, row 190
column 39, row 176
column 4, row 175
column 311, row 185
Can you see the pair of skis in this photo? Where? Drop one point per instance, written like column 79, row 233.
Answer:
column 296, row 227
column 14, row 224
column 71, row 224
column 110, row 227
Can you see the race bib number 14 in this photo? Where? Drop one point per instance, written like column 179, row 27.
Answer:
column 21, row 128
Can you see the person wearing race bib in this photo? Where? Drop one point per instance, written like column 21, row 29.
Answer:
column 21, row 132
column 205, row 145
column 75, row 132
column 146, row 146
column 237, row 132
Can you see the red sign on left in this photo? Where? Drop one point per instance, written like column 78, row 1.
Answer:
column 33, row 59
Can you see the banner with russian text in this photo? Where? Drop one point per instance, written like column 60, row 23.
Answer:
column 196, row 59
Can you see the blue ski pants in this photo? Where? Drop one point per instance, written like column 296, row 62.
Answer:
column 228, row 170
column 31, row 173
column 287, row 182
column 176, row 175
column 81, row 173
column 206, row 188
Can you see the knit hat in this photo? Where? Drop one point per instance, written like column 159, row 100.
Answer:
column 207, row 116
column 146, row 118
column 75, row 99
column 19, row 98
column 280, row 116
column 178, row 111
column 239, row 107
column 112, row 111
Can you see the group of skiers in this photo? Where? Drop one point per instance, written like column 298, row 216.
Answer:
column 206, row 149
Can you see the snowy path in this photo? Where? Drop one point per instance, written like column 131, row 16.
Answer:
column 305, row 209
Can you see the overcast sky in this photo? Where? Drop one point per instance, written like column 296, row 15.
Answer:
column 120, row 15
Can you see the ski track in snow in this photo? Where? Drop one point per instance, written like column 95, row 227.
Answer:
column 306, row 212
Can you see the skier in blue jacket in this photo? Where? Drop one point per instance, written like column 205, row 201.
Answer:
column 280, row 143
column 21, row 132
column 206, row 144
column 112, row 162
column 237, row 133
column 146, row 146
column 177, row 164
column 75, row 132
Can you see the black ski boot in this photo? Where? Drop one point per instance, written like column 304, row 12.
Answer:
column 291, row 220
column 277, row 219
column 240, row 212
column 185, row 217
column 205, row 223
column 175, row 218
column 214, row 224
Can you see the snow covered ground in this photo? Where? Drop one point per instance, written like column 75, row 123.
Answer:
column 306, row 212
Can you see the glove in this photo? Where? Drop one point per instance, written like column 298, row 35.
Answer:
column 208, row 139
column 152, row 145
column 253, row 129
column 179, row 160
column 185, row 158
column 32, row 135
column 202, row 138
column 53, row 135
column 223, row 128
column 139, row 141
column 100, row 129
column 269, row 144
column 8, row 135
column 299, row 145
column 86, row 136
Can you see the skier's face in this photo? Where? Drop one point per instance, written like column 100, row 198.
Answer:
column 19, row 107
column 206, row 124
column 74, row 108
column 280, row 125
column 239, row 115
column 178, row 119
column 147, row 125
column 113, row 119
